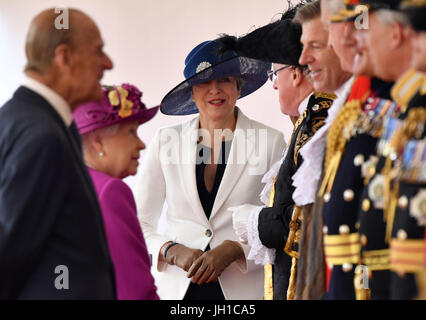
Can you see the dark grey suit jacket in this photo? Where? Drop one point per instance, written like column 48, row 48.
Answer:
column 49, row 212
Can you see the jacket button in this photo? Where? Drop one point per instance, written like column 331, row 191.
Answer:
column 208, row 233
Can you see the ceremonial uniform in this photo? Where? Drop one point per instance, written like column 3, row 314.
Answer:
column 407, row 194
column 274, row 222
column 351, row 139
column 373, row 213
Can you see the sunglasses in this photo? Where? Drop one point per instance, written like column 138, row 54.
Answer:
column 272, row 74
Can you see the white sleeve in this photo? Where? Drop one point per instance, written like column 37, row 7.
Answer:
column 258, row 252
column 150, row 196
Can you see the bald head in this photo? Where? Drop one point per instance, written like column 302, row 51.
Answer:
column 44, row 37
column 65, row 53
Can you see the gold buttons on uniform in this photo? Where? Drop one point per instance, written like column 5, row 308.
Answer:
column 364, row 240
column 325, row 229
column 401, row 234
column 371, row 171
column 315, row 107
column 327, row 197
column 348, row 195
column 344, row 229
column 403, row 202
column 365, row 205
column 347, row 267
column 208, row 233
column 358, row 160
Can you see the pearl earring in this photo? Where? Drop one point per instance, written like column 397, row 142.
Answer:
column 101, row 154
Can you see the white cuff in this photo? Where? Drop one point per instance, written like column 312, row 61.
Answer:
column 258, row 252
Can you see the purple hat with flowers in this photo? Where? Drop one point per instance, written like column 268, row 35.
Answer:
column 119, row 104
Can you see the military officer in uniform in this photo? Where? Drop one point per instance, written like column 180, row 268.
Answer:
column 351, row 141
column 407, row 176
column 279, row 43
column 375, row 216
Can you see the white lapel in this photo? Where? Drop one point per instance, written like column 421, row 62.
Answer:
column 242, row 147
column 187, row 166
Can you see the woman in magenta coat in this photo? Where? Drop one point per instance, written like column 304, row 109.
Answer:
column 111, row 149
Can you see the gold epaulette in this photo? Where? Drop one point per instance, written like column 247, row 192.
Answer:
column 404, row 90
column 407, row 255
column 342, row 248
column 340, row 131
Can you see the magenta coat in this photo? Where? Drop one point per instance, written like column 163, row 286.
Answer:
column 125, row 240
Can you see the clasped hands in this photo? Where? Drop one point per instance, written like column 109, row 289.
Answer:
column 204, row 267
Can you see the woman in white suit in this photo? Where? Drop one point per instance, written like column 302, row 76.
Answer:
column 201, row 168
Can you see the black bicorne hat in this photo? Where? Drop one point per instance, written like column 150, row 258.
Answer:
column 277, row 42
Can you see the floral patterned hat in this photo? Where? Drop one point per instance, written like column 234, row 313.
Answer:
column 204, row 64
column 119, row 104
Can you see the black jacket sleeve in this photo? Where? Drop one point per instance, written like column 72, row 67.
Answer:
column 274, row 226
column 32, row 189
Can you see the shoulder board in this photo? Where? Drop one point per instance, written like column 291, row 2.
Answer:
column 405, row 89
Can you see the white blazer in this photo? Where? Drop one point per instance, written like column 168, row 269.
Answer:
column 167, row 174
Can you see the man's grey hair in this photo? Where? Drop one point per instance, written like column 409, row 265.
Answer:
column 386, row 17
column 334, row 6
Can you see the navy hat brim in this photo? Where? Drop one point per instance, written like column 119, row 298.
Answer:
column 253, row 72
column 381, row 4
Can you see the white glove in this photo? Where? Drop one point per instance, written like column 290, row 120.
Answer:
column 240, row 216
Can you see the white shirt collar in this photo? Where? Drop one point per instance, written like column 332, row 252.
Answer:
column 304, row 104
column 55, row 100
column 345, row 87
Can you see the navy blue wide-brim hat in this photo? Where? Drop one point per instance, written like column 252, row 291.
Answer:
column 204, row 64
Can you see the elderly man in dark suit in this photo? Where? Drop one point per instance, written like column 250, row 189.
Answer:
column 52, row 241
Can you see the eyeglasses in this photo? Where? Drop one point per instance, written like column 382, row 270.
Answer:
column 272, row 74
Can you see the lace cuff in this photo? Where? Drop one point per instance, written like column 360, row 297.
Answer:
column 269, row 178
column 258, row 252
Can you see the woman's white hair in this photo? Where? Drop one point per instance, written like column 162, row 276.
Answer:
column 386, row 17
column 101, row 132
